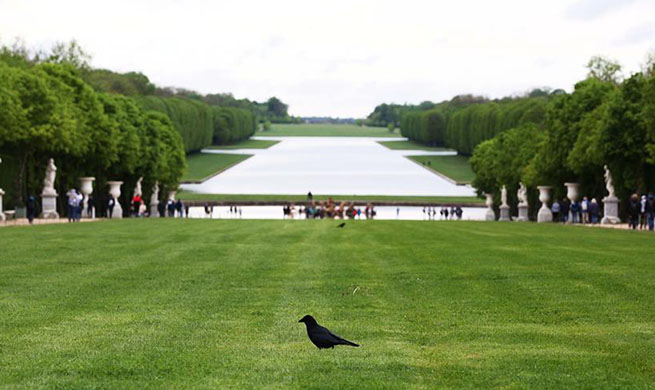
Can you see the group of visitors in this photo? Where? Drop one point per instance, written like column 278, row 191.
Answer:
column 328, row 209
column 454, row 212
column 585, row 211
column 74, row 205
column 641, row 212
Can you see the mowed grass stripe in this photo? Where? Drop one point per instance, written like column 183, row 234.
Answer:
column 202, row 166
column 207, row 304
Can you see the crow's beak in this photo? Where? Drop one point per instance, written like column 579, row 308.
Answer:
column 300, row 320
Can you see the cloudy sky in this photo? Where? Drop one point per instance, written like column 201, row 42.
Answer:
column 342, row 58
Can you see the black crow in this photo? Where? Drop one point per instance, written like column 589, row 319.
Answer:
column 342, row 224
column 321, row 337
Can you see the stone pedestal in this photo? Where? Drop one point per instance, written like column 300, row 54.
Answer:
column 611, row 211
column 544, row 215
column 49, row 206
column 490, row 216
column 504, row 213
column 154, row 211
column 2, row 215
column 86, row 188
column 523, row 213
column 115, row 192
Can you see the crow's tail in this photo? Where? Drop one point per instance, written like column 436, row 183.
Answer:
column 346, row 342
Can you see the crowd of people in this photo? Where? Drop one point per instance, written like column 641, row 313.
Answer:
column 328, row 209
column 641, row 212
column 585, row 211
column 455, row 212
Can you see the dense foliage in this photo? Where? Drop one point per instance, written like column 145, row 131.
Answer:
column 48, row 110
column 462, row 126
column 192, row 119
column 602, row 122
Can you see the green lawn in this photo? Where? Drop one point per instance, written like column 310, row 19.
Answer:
column 464, row 200
column 326, row 130
column 455, row 167
column 246, row 144
column 209, row 304
column 410, row 145
column 202, row 166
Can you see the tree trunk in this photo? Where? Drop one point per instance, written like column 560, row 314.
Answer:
column 19, row 184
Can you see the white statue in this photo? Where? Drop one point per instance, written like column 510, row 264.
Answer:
column 609, row 184
column 49, row 181
column 137, row 188
column 154, row 198
column 522, row 194
column 503, row 196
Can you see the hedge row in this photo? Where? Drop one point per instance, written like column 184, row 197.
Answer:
column 464, row 127
column 200, row 124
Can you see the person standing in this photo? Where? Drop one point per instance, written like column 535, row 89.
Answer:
column 594, row 211
column 642, row 213
column 650, row 210
column 584, row 207
column 110, row 206
column 178, row 207
column 90, row 206
column 72, row 198
column 31, row 208
column 633, row 211
column 555, row 208
column 564, row 210
column 186, row 210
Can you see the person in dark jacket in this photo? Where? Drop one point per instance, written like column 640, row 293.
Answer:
column 633, row 211
column 178, row 207
column 110, row 206
column 593, row 211
column 564, row 210
column 161, row 208
column 31, row 208
column 650, row 211
column 575, row 212
column 171, row 208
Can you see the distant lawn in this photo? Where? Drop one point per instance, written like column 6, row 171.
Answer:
column 411, row 145
column 326, row 130
column 201, row 166
column 246, row 144
column 463, row 200
column 168, row 303
column 455, row 167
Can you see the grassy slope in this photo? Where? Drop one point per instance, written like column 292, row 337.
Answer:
column 215, row 304
column 326, row 130
column 204, row 165
column 455, row 167
column 464, row 200
column 246, row 144
column 410, row 145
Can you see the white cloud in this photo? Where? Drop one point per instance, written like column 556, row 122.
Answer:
column 343, row 57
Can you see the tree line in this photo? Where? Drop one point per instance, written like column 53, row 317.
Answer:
column 48, row 110
column 100, row 123
column 462, row 124
column 606, row 120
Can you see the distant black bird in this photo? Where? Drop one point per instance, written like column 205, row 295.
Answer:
column 321, row 337
column 342, row 224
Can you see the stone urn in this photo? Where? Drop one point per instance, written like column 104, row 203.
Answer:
column 572, row 193
column 115, row 192
column 544, row 215
column 490, row 216
column 86, row 188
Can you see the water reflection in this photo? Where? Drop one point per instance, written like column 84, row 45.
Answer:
column 412, row 213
